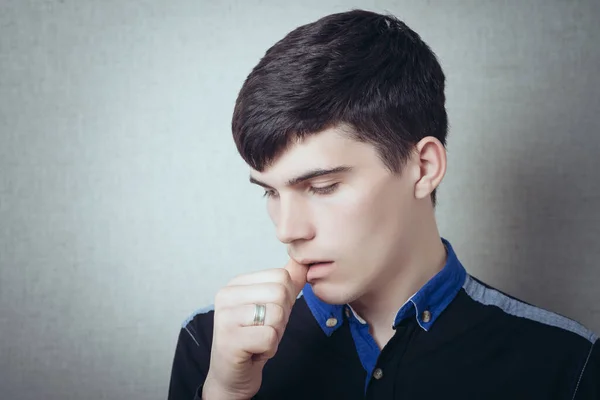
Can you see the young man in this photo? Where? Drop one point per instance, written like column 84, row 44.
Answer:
column 343, row 123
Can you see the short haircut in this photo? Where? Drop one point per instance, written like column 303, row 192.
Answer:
column 365, row 71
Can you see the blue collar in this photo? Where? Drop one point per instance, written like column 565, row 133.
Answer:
column 427, row 304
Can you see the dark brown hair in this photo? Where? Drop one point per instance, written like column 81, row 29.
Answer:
column 360, row 69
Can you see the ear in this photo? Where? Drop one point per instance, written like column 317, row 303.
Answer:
column 431, row 157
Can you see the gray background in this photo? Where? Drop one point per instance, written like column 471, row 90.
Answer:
column 124, row 206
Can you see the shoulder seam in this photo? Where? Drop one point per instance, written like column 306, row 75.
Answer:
column 492, row 297
column 583, row 370
column 189, row 328
column 192, row 336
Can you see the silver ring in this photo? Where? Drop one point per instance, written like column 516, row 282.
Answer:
column 259, row 314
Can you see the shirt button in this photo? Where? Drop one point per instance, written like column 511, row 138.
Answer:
column 348, row 312
column 426, row 316
column 331, row 322
column 378, row 373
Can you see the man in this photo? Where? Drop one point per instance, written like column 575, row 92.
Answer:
column 343, row 123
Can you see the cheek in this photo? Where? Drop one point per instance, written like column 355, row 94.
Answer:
column 361, row 216
column 347, row 216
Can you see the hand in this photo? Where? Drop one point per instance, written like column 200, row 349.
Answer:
column 240, row 349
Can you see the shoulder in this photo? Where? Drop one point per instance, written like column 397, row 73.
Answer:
column 523, row 315
column 538, row 337
column 192, row 354
column 541, row 341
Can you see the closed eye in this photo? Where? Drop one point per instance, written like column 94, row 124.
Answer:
column 324, row 190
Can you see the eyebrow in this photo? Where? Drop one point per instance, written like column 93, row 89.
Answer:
column 315, row 173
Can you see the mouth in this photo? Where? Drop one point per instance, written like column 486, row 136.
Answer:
column 315, row 263
column 318, row 270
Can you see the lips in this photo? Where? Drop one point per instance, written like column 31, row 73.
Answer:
column 318, row 263
column 318, row 270
column 311, row 263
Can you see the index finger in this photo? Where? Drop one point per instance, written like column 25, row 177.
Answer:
column 297, row 273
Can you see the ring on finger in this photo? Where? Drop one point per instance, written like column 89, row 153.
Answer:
column 259, row 314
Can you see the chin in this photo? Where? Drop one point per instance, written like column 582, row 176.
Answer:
column 332, row 293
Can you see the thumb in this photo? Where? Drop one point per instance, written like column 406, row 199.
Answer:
column 298, row 273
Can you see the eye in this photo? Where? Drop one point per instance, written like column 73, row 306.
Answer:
column 324, row 190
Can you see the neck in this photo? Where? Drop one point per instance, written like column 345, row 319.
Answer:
column 427, row 256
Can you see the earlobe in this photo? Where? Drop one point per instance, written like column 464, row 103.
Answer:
column 431, row 155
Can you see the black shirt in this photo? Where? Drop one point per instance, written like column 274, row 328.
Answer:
column 456, row 338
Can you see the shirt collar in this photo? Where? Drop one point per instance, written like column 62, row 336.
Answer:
column 426, row 305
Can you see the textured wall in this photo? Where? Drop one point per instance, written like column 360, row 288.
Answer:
column 124, row 206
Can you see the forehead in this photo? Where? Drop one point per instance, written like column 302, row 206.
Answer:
column 327, row 149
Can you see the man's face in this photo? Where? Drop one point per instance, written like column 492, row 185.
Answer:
column 357, row 217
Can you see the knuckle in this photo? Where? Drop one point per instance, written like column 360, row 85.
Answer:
column 280, row 294
column 283, row 276
column 279, row 315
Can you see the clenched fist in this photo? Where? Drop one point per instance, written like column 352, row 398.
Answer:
column 241, row 345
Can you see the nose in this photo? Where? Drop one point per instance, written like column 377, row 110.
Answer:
column 293, row 222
